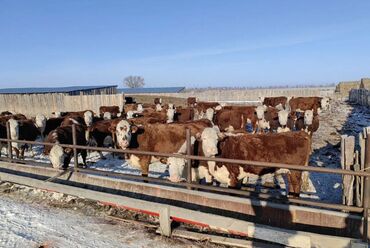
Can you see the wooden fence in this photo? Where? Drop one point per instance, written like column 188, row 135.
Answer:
column 354, row 159
column 360, row 96
column 33, row 104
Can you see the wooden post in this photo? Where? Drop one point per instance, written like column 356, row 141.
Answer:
column 74, row 140
column 347, row 161
column 366, row 234
column 188, row 152
column 10, row 153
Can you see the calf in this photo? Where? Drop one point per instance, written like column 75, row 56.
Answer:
column 285, row 148
column 61, row 157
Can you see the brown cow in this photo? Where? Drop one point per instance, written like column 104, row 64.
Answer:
column 285, row 148
column 275, row 101
column 191, row 101
column 236, row 118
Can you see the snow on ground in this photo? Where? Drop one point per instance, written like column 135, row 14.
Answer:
column 34, row 225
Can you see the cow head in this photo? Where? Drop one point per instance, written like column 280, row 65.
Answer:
column 308, row 117
column 57, row 156
column 283, row 117
column 130, row 114
column 107, row 116
column 40, row 122
column 210, row 113
column 260, row 111
column 209, row 138
column 171, row 106
column 88, row 117
column 176, row 168
column 158, row 107
column 123, row 133
column 170, row 115
column 325, row 102
column 139, row 108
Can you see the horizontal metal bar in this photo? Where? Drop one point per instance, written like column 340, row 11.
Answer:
column 255, row 195
column 193, row 157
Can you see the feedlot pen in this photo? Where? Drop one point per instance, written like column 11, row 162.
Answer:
column 220, row 209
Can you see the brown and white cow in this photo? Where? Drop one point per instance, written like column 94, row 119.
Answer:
column 167, row 138
column 60, row 157
column 232, row 118
column 287, row 148
column 317, row 104
column 22, row 130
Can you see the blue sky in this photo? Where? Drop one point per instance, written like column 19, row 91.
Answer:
column 183, row 43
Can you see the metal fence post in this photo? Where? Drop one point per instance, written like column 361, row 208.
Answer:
column 10, row 150
column 74, row 142
column 366, row 234
column 188, row 152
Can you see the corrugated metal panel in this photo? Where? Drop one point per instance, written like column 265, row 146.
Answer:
column 151, row 90
column 52, row 89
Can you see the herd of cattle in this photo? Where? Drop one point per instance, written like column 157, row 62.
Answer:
column 279, row 130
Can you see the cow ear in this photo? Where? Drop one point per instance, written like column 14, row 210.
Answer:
column 134, row 129
column 198, row 136
column 264, row 108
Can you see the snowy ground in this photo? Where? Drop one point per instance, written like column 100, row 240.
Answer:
column 35, row 225
column 343, row 118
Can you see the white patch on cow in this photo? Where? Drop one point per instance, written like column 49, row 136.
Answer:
column 209, row 138
column 40, row 122
column 57, row 114
column 210, row 113
column 170, row 115
column 158, row 107
column 14, row 132
column 88, row 118
column 171, row 106
column 260, row 110
column 139, row 108
column 182, row 149
column 308, row 117
column 245, row 175
column 283, row 117
column 263, row 124
column 87, row 134
column 282, row 171
column 218, row 107
column 222, row 175
column 200, row 173
column 108, row 141
column 74, row 121
column 107, row 116
column 54, row 135
column 283, row 130
column 130, row 114
column 230, row 129
column 279, row 107
column 134, row 161
column 176, row 168
column 123, row 134
column 57, row 156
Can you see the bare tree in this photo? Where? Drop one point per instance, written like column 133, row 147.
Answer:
column 134, row 81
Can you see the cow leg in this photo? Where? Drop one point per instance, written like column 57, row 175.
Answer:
column 294, row 180
column 84, row 155
column 144, row 165
column 16, row 152
column 67, row 160
column 101, row 155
